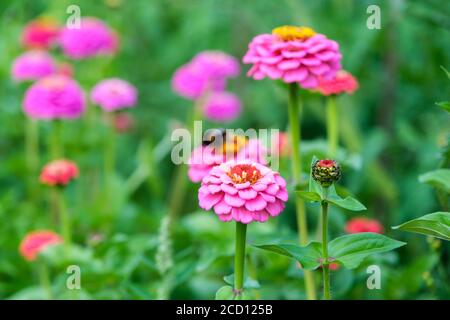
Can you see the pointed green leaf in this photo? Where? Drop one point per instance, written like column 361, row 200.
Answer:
column 309, row 256
column 309, row 195
column 348, row 203
column 225, row 293
column 352, row 249
column 439, row 178
column 444, row 105
column 434, row 224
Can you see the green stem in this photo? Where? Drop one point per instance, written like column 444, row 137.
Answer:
column 239, row 258
column 32, row 154
column 109, row 162
column 295, row 131
column 66, row 228
column 44, row 279
column 332, row 126
column 56, row 146
column 325, row 264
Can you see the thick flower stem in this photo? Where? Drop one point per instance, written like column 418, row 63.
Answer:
column 332, row 127
column 294, row 124
column 239, row 258
column 65, row 224
column 56, row 146
column 32, row 154
column 109, row 163
column 325, row 264
column 45, row 280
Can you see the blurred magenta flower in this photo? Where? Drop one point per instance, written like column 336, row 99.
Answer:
column 54, row 97
column 243, row 191
column 363, row 224
column 59, row 173
column 343, row 82
column 221, row 106
column 293, row 54
column 93, row 38
column 37, row 241
column 207, row 71
column 32, row 65
column 123, row 122
column 114, row 94
column 41, row 33
column 204, row 158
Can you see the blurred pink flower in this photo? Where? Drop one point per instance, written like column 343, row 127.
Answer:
column 343, row 82
column 204, row 158
column 41, row 33
column 93, row 38
column 59, row 173
column 123, row 122
column 37, row 241
column 281, row 143
column 54, row 97
column 32, row 65
column 363, row 224
column 114, row 94
column 221, row 106
column 293, row 54
column 243, row 191
column 207, row 71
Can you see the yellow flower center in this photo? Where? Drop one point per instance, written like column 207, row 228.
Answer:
column 232, row 145
column 288, row 33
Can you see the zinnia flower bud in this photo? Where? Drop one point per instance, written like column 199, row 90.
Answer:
column 37, row 241
column 114, row 94
column 363, row 224
column 293, row 54
column 222, row 106
column 41, row 33
column 93, row 38
column 59, row 173
column 326, row 172
column 243, row 191
column 33, row 65
column 54, row 97
column 344, row 82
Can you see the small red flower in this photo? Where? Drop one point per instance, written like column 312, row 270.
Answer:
column 362, row 224
column 37, row 241
column 41, row 33
column 344, row 82
column 59, row 173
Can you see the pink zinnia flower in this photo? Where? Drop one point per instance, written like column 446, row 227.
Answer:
column 59, row 173
column 32, row 65
column 343, row 82
column 293, row 54
column 114, row 94
column 93, row 38
column 363, row 224
column 221, row 106
column 54, row 97
column 37, row 241
column 207, row 71
column 204, row 158
column 41, row 33
column 243, row 191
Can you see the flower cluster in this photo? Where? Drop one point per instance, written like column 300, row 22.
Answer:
column 243, row 191
column 293, row 55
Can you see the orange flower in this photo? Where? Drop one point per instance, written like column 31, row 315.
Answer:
column 59, row 173
column 36, row 241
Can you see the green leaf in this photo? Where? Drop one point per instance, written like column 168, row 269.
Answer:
column 249, row 283
column 434, row 224
column 444, row 105
column 352, row 249
column 309, row 256
column 348, row 203
column 439, row 179
column 309, row 195
column 225, row 293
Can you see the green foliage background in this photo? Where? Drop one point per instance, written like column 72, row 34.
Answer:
column 392, row 132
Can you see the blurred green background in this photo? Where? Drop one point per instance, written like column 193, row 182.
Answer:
column 392, row 131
